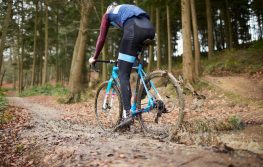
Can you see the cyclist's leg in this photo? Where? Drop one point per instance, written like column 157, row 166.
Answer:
column 124, row 75
column 125, row 68
column 126, row 58
column 133, row 36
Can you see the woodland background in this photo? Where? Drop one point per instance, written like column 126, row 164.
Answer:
column 50, row 41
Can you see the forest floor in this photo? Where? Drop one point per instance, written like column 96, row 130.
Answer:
column 46, row 133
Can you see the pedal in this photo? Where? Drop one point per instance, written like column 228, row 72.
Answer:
column 126, row 122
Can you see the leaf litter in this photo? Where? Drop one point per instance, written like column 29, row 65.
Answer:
column 67, row 135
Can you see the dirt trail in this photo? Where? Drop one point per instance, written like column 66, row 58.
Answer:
column 239, row 85
column 52, row 141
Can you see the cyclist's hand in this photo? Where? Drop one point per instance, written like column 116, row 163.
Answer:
column 92, row 60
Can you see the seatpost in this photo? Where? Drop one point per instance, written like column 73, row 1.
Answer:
column 142, row 55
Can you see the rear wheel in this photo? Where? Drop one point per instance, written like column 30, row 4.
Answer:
column 168, row 113
column 108, row 107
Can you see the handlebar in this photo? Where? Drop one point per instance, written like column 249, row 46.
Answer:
column 93, row 66
column 106, row 61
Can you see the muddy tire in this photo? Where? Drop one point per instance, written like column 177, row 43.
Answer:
column 109, row 115
column 172, row 96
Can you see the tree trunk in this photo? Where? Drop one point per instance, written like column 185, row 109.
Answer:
column 14, row 61
column 2, row 77
column 151, row 59
column 33, row 79
column 104, row 51
column 79, row 53
column 259, row 27
column 5, row 29
column 158, row 38
column 222, row 40
column 209, row 29
column 20, row 58
column 169, row 39
column 228, row 25
column 104, row 65
column 21, row 64
column 58, row 76
column 164, row 42
column 261, row 20
column 187, row 45
column 196, row 40
column 64, row 70
column 262, row 23
column 44, row 80
column 40, row 45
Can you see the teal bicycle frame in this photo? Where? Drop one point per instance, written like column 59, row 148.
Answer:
column 141, row 77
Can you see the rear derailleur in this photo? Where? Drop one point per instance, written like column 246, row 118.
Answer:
column 160, row 110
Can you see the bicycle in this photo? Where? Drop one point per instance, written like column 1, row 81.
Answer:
column 158, row 102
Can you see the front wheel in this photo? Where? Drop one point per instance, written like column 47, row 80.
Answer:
column 168, row 114
column 108, row 107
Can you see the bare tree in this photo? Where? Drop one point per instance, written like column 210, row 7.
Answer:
column 187, row 45
column 169, row 39
column 44, row 80
column 79, row 52
column 196, row 40
column 158, row 38
column 104, row 50
column 209, row 29
column 5, row 29
column 33, row 77
column 228, row 25
column 150, row 61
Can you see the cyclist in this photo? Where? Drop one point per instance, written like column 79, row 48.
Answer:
column 136, row 27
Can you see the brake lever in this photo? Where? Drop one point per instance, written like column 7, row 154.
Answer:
column 94, row 68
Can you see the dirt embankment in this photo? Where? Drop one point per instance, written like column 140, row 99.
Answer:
column 231, row 113
column 240, row 85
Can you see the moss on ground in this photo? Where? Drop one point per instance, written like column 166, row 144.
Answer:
column 236, row 61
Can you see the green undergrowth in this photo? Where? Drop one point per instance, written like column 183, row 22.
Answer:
column 4, row 116
column 3, row 101
column 57, row 90
column 85, row 95
column 247, row 60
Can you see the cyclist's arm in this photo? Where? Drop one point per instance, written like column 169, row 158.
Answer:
column 103, row 33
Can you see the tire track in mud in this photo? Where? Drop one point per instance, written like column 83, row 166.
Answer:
column 53, row 141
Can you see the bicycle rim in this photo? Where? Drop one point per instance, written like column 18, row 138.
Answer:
column 108, row 108
column 170, row 96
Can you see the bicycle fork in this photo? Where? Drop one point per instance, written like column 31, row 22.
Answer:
column 106, row 104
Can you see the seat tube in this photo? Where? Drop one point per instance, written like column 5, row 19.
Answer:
column 140, row 72
column 135, row 96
